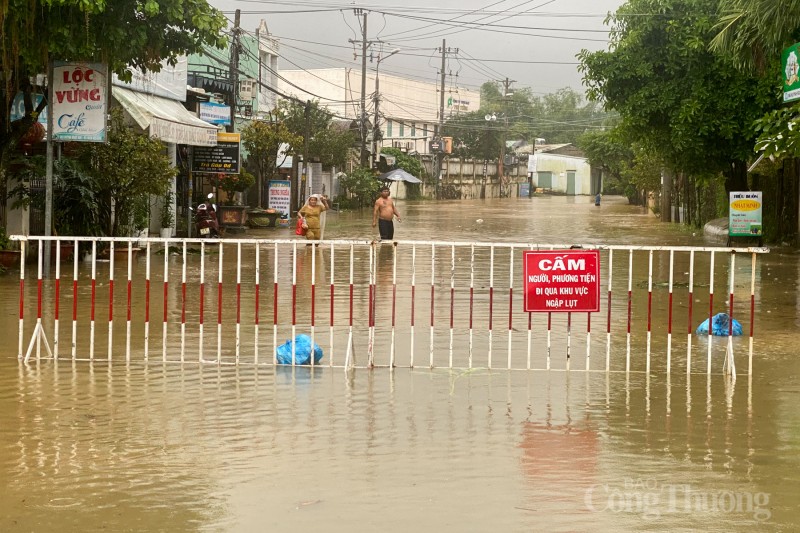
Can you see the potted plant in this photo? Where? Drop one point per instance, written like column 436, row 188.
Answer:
column 167, row 216
column 231, row 213
column 9, row 255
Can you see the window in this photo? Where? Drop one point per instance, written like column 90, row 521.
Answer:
column 413, row 129
column 425, row 130
column 388, row 128
column 402, row 130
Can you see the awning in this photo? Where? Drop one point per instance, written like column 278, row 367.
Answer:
column 166, row 119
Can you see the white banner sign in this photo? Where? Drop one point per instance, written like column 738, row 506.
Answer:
column 80, row 101
column 280, row 196
column 217, row 114
column 175, row 132
column 532, row 163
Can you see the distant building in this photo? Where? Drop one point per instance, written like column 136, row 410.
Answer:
column 561, row 168
column 408, row 109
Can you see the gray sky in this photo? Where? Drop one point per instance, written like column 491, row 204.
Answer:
column 315, row 34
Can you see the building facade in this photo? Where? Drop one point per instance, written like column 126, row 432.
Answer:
column 408, row 110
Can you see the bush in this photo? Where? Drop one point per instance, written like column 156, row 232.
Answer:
column 360, row 188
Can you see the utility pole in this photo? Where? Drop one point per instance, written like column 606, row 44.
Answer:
column 363, row 118
column 306, row 134
column 234, row 67
column 440, row 155
column 501, row 164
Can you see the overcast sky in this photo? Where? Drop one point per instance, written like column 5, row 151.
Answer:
column 528, row 34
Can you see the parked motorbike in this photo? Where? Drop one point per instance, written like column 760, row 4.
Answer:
column 205, row 219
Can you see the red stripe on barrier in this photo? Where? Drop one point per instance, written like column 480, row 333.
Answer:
column 128, row 305
column 166, row 283
column 608, row 321
column 58, row 297
column 183, row 302
column 691, row 302
column 530, row 321
column 219, row 303
column 74, row 300
column 371, row 306
column 510, row 306
column 669, row 326
column 710, row 311
column 730, row 321
column 94, row 292
column 649, row 309
column 752, row 312
column 110, row 300
column 491, row 306
column 258, row 296
column 275, row 304
column 202, row 302
column 39, row 298
column 629, row 311
column 589, row 323
column 238, row 303
column 21, row 298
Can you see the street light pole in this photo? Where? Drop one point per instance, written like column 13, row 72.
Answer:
column 377, row 99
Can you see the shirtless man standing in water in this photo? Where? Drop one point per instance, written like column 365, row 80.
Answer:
column 383, row 214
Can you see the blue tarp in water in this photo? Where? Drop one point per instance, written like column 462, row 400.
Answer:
column 302, row 351
column 720, row 326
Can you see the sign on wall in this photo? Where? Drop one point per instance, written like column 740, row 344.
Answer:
column 744, row 216
column 80, row 101
column 790, row 67
column 224, row 157
column 280, row 194
column 214, row 113
column 561, row 281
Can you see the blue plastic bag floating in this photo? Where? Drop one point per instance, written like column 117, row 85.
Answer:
column 302, row 351
column 720, row 326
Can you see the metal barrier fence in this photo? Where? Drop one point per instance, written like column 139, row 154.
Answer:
column 366, row 297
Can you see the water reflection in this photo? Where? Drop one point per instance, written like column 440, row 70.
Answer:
column 219, row 447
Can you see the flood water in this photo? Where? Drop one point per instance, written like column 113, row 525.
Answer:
column 154, row 446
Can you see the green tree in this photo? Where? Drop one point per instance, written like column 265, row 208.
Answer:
column 690, row 105
column 122, row 33
column 263, row 141
column 329, row 142
column 402, row 160
column 127, row 170
column 359, row 188
column 611, row 152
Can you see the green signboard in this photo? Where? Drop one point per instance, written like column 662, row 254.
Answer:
column 790, row 65
column 744, row 219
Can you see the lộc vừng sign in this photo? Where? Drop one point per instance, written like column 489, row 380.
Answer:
column 561, row 281
column 79, row 105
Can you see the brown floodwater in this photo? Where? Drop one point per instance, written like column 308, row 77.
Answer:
column 170, row 446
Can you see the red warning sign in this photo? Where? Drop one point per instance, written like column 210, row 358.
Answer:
column 561, row 281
